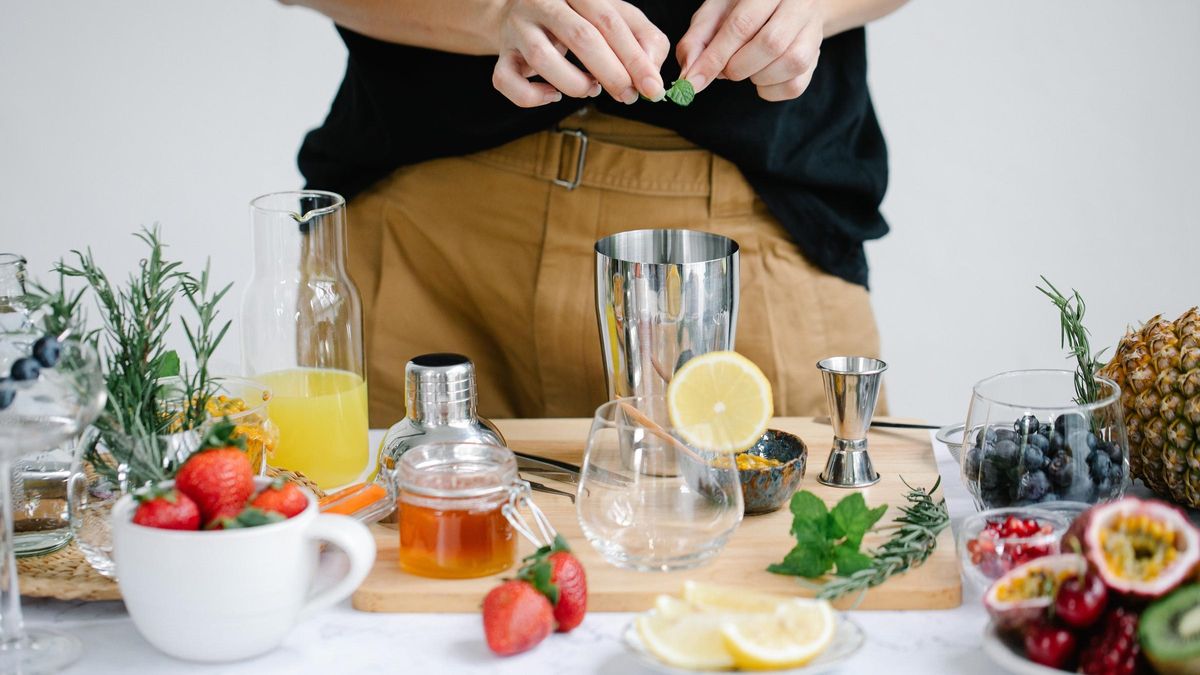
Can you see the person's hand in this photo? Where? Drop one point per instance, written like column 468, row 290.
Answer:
column 621, row 50
column 774, row 43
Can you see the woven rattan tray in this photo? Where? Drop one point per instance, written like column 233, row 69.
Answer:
column 66, row 575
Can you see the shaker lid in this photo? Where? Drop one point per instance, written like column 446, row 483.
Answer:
column 442, row 378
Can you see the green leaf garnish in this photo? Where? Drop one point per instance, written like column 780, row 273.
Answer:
column 681, row 92
column 828, row 539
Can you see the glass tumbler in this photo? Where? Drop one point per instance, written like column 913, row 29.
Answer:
column 302, row 335
column 646, row 500
column 1028, row 440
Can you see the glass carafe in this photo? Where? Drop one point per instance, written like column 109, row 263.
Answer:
column 14, row 313
column 302, row 335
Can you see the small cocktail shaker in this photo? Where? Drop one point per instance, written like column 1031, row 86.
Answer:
column 440, row 398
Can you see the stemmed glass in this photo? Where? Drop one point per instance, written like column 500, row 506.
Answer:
column 648, row 501
column 43, row 413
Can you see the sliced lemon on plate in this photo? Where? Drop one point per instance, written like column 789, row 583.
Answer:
column 689, row 640
column 796, row 633
column 718, row 598
column 720, row 402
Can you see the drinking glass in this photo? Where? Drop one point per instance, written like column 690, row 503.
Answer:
column 42, row 414
column 1028, row 440
column 646, row 500
column 302, row 335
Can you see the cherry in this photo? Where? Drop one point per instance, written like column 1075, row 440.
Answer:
column 1080, row 601
column 1049, row 645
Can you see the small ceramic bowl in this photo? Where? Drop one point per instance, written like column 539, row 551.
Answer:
column 765, row 490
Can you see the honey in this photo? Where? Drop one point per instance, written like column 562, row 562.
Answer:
column 450, row 510
column 455, row 543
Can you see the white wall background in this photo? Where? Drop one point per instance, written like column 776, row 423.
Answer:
column 1027, row 138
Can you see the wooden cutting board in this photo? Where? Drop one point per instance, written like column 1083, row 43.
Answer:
column 758, row 541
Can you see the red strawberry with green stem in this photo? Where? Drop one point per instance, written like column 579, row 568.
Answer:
column 516, row 617
column 218, row 477
column 282, row 497
column 559, row 575
column 166, row 509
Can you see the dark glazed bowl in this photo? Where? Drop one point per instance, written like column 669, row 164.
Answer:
column 765, row 490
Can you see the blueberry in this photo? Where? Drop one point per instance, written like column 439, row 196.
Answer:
column 1032, row 458
column 1116, row 473
column 1114, row 452
column 1068, row 422
column 1026, row 425
column 1104, row 488
column 1034, row 485
column 7, row 393
column 991, row 476
column 25, row 369
column 1003, row 434
column 1005, row 452
column 1077, row 442
column 990, row 435
column 993, row 498
column 972, row 463
column 1100, row 465
column 1040, row 441
column 1057, row 442
column 1060, row 471
column 1045, row 429
column 47, row 350
column 1092, row 441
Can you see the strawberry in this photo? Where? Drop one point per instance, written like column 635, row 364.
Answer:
column 283, row 497
column 166, row 509
column 218, row 477
column 559, row 575
column 516, row 617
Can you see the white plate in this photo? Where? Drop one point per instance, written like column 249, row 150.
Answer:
column 847, row 639
column 1010, row 659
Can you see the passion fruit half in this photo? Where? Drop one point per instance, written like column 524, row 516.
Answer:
column 1023, row 594
column 1142, row 549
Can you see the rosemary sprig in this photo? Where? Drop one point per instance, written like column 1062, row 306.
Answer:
column 1075, row 335
column 133, row 346
column 912, row 543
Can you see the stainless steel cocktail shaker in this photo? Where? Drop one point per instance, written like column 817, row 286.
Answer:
column 440, row 402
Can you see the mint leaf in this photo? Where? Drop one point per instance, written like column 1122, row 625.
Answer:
column 808, row 508
column 681, row 92
column 849, row 560
column 852, row 519
column 812, row 555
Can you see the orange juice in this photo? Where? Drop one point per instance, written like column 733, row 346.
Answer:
column 322, row 420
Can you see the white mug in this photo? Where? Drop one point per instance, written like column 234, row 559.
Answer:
column 228, row 595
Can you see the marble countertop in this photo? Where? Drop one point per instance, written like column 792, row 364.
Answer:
column 343, row 640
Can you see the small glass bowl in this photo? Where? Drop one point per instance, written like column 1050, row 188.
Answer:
column 989, row 559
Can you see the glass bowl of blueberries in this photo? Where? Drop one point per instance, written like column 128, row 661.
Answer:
column 1031, row 439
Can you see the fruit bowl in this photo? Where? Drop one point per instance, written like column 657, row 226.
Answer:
column 1028, row 441
column 991, row 543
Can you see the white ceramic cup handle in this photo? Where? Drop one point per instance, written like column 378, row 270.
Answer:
column 357, row 542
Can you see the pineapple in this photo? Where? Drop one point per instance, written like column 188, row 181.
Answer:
column 1158, row 369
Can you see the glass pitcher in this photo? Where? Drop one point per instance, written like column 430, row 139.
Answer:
column 302, row 335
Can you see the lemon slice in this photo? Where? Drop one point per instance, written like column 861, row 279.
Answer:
column 717, row 598
column 796, row 633
column 720, row 402
column 669, row 605
column 690, row 640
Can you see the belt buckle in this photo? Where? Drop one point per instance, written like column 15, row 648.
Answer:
column 583, row 145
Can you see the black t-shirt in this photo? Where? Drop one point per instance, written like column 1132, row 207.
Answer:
column 818, row 162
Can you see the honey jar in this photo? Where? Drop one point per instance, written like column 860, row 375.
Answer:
column 451, row 509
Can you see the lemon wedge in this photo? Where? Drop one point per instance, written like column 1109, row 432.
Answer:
column 718, row 598
column 669, row 605
column 720, row 402
column 793, row 635
column 689, row 640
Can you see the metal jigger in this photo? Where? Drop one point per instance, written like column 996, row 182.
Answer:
column 851, row 389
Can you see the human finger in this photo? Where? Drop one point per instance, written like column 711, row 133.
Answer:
column 615, row 27
column 798, row 59
column 508, row 77
column 786, row 91
column 739, row 27
column 770, row 42
column 705, row 23
column 541, row 55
